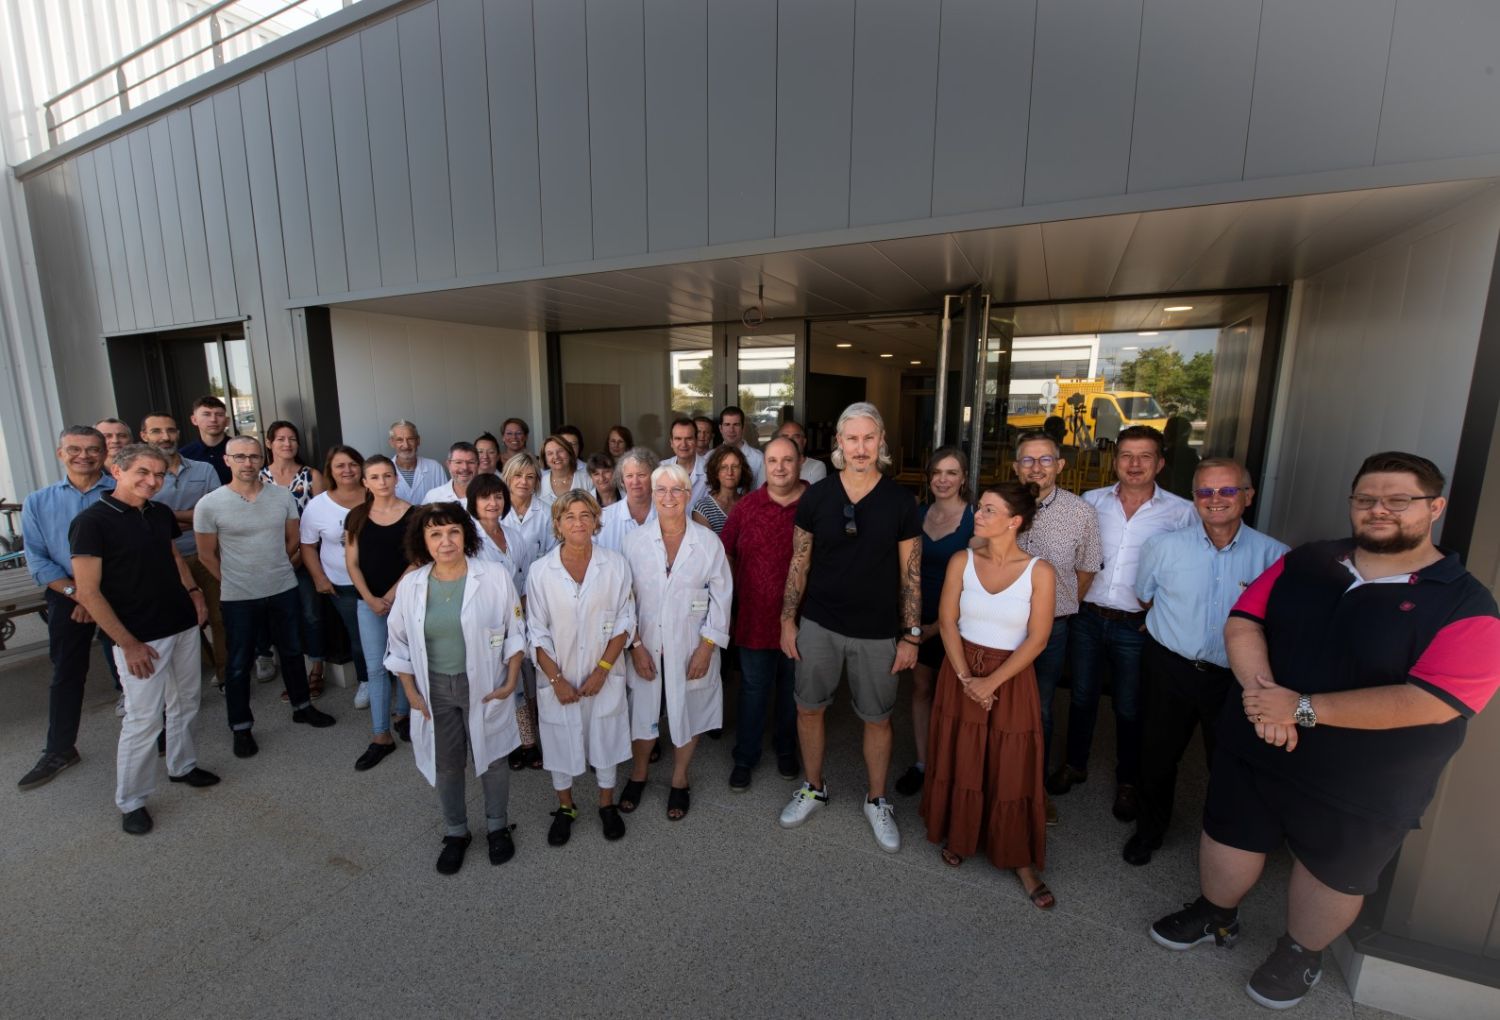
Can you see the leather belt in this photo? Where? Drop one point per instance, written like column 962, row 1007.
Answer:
column 1139, row 616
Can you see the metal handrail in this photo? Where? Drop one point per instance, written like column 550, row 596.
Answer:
column 116, row 70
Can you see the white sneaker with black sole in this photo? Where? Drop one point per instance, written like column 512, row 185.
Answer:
column 882, row 819
column 265, row 669
column 362, row 695
column 803, row 805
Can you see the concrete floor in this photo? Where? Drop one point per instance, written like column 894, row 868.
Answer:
column 300, row 888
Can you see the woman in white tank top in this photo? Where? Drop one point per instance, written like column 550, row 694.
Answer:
column 984, row 772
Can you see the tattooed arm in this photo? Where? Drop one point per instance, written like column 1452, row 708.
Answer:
column 796, row 585
column 910, row 553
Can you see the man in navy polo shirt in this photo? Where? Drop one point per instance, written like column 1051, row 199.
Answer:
column 1360, row 662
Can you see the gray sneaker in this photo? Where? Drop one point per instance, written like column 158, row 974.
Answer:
column 1286, row 976
column 47, row 766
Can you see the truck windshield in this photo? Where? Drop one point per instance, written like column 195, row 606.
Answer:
column 1138, row 408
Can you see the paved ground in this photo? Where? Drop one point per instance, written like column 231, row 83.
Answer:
column 300, row 888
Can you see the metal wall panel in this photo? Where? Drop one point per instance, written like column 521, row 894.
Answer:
column 983, row 105
column 677, row 123
column 386, row 119
column 1082, row 94
column 233, row 161
column 104, row 286
column 184, row 182
column 510, row 59
column 894, row 116
column 1192, row 103
column 1319, row 77
column 290, row 179
column 351, row 147
column 143, row 175
column 814, row 93
column 427, row 142
column 466, row 103
column 617, row 125
column 212, row 182
column 127, row 212
column 174, row 246
column 562, row 114
column 1442, row 97
column 741, row 119
column 325, row 215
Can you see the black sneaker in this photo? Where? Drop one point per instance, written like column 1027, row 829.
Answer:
column 1127, row 802
column 786, row 766
column 502, row 847
column 313, row 717
column 1197, row 922
column 562, row 826
column 614, row 825
column 452, row 857
column 47, row 768
column 137, row 822
column 197, row 778
column 911, row 781
column 1286, row 975
column 739, row 778
column 244, row 744
column 403, row 728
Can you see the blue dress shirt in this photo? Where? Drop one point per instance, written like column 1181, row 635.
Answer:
column 1192, row 586
column 45, row 517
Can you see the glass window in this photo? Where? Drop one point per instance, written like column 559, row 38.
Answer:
column 641, row 379
column 241, row 396
column 767, row 382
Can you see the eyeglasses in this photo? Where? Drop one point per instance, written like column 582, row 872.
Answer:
column 1227, row 491
column 851, row 527
column 989, row 510
column 1397, row 503
column 243, row 458
column 1046, row 460
column 676, row 491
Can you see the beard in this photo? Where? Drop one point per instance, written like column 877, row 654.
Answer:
column 1400, row 542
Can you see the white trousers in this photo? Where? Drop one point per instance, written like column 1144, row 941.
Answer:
column 605, row 774
column 176, row 685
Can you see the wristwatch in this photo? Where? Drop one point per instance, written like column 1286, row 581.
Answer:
column 1305, row 716
column 69, row 590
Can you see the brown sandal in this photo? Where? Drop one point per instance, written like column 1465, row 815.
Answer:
column 315, row 682
column 950, row 858
column 1041, row 897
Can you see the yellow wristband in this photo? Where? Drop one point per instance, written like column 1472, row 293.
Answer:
column 709, row 641
column 606, row 666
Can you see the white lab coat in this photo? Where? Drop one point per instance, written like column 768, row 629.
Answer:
column 428, row 474
column 674, row 612
column 516, row 557
column 573, row 624
column 493, row 632
column 535, row 528
column 547, row 497
column 616, row 523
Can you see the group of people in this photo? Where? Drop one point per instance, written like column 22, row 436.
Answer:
column 549, row 611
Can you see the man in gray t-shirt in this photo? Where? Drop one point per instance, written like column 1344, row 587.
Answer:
column 247, row 532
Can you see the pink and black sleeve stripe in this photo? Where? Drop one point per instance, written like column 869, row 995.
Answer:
column 1252, row 604
column 1461, row 666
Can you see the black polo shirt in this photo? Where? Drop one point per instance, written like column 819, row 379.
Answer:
column 138, row 576
column 1438, row 629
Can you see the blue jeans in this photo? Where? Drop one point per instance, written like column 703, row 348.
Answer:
column 765, row 674
column 1097, row 645
column 345, row 598
column 312, row 617
column 1049, row 666
column 372, row 641
column 243, row 618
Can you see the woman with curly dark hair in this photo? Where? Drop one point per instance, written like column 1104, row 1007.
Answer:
column 729, row 478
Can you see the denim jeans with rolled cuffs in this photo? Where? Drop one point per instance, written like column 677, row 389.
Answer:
column 281, row 616
column 1097, row 648
column 448, row 701
column 372, row 640
column 345, row 600
column 767, row 677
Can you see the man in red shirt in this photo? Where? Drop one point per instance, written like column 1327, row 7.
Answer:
column 758, row 540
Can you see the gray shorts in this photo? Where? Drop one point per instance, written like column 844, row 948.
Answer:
column 826, row 654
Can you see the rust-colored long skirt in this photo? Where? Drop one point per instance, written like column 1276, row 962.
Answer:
column 984, row 768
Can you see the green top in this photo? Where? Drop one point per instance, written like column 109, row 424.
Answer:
column 444, row 632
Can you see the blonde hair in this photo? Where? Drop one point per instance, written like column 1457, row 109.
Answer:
column 568, row 499
column 861, row 409
column 517, row 463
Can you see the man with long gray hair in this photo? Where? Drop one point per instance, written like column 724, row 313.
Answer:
column 855, row 579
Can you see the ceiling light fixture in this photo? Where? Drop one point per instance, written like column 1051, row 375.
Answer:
column 1152, row 333
column 843, row 345
column 887, row 355
column 916, row 362
column 1178, row 308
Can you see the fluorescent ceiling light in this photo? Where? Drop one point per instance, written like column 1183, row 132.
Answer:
column 843, row 345
column 1178, row 308
column 916, row 362
column 887, row 355
column 1153, row 333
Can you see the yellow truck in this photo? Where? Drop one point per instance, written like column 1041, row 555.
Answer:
column 1089, row 410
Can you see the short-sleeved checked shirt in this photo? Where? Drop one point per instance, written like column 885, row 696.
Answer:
column 1065, row 533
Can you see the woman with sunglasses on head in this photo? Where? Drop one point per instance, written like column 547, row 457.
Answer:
column 947, row 528
column 984, row 774
column 375, row 557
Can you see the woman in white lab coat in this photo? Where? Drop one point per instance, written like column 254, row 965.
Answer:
column 683, row 591
column 579, row 613
column 456, row 639
column 564, row 472
column 528, row 515
column 634, row 511
column 488, row 502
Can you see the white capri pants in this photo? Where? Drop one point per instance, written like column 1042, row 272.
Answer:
column 175, row 685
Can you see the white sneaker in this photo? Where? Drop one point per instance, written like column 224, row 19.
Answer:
column 803, row 804
column 362, row 695
column 882, row 819
column 265, row 669
column 120, row 707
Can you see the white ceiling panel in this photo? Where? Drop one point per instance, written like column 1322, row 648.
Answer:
column 1083, row 256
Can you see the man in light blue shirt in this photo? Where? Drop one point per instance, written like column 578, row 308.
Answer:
column 45, row 518
column 1190, row 579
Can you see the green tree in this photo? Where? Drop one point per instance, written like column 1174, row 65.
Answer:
column 1179, row 387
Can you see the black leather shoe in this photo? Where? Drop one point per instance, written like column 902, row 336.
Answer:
column 911, row 781
column 313, row 717
column 614, row 825
column 1064, row 779
column 502, row 847
column 1138, row 849
column 1127, row 802
column 137, row 822
column 787, row 768
column 197, row 778
column 452, row 857
column 562, row 826
column 244, row 744
column 374, row 755
column 739, row 778
column 403, row 728
column 161, row 744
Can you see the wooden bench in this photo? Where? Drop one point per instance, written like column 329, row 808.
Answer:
column 19, row 594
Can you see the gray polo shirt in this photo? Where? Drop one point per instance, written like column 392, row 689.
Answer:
column 193, row 480
column 252, row 540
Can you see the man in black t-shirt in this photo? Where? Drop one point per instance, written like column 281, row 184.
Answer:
column 855, row 575
column 137, row 587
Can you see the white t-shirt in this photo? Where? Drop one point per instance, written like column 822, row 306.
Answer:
column 323, row 526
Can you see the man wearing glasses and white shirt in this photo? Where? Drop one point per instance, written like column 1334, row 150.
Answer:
column 1109, row 630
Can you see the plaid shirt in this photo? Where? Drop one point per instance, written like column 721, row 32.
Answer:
column 1065, row 533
